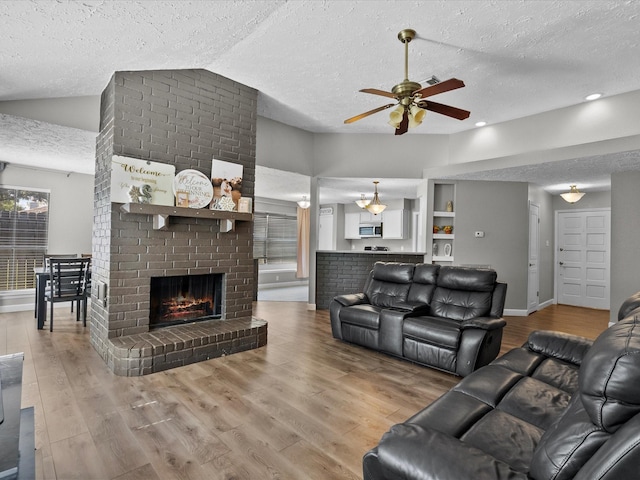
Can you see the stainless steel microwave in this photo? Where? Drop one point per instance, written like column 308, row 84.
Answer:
column 370, row 231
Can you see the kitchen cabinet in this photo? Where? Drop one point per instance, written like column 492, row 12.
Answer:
column 352, row 226
column 368, row 217
column 395, row 224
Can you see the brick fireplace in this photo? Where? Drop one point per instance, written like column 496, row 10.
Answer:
column 185, row 118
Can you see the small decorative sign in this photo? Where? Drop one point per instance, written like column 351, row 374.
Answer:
column 141, row 181
column 197, row 186
column 226, row 178
column 245, row 205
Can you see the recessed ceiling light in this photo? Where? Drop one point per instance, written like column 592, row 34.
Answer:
column 480, row 124
column 593, row 96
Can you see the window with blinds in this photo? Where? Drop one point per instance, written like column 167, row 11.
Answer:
column 275, row 238
column 24, row 220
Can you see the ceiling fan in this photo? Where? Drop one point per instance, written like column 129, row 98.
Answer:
column 412, row 106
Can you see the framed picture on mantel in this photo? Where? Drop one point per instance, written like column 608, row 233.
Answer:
column 226, row 178
column 141, row 181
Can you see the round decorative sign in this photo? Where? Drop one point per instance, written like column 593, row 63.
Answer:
column 197, row 185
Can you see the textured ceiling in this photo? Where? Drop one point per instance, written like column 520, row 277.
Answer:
column 308, row 59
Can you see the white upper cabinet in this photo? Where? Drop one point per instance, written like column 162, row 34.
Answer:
column 395, row 224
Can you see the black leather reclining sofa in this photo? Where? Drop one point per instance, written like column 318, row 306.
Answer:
column 560, row 407
column 448, row 318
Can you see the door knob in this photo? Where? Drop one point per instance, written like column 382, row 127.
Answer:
column 562, row 249
column 561, row 263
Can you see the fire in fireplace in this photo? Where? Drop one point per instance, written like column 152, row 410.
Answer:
column 185, row 298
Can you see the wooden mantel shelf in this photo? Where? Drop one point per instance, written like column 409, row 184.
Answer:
column 162, row 213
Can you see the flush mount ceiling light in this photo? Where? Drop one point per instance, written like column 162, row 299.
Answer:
column 481, row 124
column 573, row 195
column 375, row 206
column 304, row 203
column 363, row 202
column 593, row 96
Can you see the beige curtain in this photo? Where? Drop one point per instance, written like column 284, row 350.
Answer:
column 303, row 243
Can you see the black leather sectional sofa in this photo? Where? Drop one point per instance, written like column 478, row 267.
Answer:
column 446, row 317
column 560, row 407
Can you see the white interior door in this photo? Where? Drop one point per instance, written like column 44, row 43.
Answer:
column 583, row 258
column 325, row 233
column 533, row 291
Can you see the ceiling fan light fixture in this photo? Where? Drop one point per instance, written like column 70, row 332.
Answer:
column 395, row 117
column 416, row 114
column 573, row 195
column 363, row 202
column 375, row 206
column 304, row 203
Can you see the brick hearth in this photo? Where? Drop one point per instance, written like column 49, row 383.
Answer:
column 185, row 118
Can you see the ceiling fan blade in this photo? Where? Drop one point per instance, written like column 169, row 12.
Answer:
column 375, row 91
column 444, row 109
column 441, row 87
column 366, row 114
column 404, row 124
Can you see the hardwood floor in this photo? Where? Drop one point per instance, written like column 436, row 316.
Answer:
column 306, row 406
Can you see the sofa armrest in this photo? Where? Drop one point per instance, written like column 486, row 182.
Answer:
column 351, row 299
column 570, row 348
column 484, row 323
column 410, row 451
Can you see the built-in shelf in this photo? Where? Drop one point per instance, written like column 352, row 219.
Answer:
column 443, row 236
column 444, row 214
column 162, row 213
column 441, row 258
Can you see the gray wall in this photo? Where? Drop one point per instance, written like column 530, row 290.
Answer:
column 75, row 112
column 70, row 208
column 625, row 232
column 500, row 209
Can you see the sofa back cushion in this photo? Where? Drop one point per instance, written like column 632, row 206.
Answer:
column 609, row 379
column 425, row 276
column 463, row 293
column 390, row 283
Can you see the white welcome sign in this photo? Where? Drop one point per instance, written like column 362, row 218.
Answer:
column 141, row 181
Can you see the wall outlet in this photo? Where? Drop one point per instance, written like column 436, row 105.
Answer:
column 479, row 234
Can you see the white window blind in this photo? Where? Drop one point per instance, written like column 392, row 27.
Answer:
column 275, row 238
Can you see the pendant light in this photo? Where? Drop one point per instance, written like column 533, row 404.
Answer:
column 363, row 202
column 376, row 206
column 304, row 203
column 573, row 195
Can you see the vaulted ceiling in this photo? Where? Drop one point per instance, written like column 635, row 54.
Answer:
column 308, row 59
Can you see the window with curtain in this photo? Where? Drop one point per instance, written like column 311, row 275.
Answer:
column 24, row 220
column 275, row 238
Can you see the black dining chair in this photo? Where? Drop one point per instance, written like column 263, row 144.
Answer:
column 67, row 283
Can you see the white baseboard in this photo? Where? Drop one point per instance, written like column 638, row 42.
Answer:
column 311, row 306
column 514, row 312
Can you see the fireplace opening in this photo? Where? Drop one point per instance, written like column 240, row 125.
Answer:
column 185, row 299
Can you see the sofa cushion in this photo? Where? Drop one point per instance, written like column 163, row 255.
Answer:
column 610, row 375
column 566, row 445
column 465, row 278
column 364, row 315
column 460, row 304
column 425, row 276
column 437, row 331
column 390, row 283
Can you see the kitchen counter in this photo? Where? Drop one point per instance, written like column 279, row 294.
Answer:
column 339, row 272
column 369, row 252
